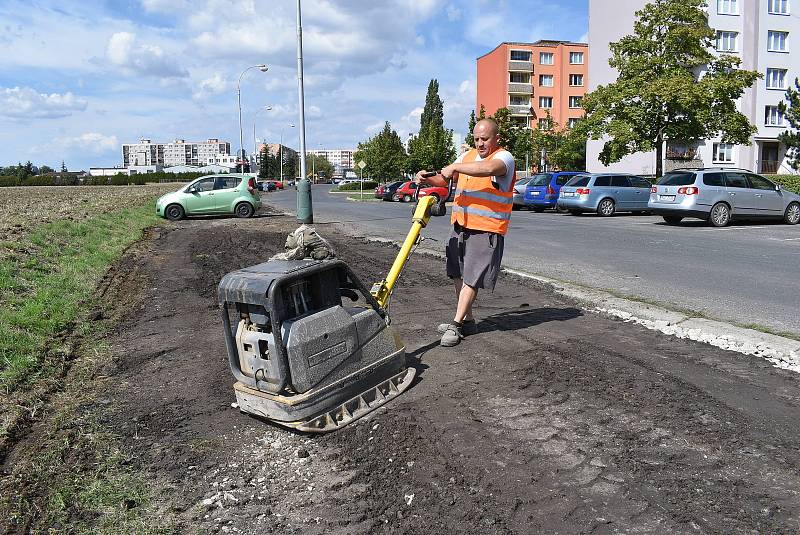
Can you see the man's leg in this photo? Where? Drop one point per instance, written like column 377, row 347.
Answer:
column 458, row 283
column 466, row 297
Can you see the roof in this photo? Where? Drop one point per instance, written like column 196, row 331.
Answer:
column 540, row 43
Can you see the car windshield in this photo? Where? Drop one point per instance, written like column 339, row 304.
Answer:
column 677, row 179
column 579, row 181
column 541, row 179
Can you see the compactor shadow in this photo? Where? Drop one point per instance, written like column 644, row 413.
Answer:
column 513, row 320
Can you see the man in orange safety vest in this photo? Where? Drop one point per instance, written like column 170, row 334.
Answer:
column 481, row 211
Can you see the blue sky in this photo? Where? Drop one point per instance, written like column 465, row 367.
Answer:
column 78, row 79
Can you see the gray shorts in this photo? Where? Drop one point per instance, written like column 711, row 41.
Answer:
column 475, row 256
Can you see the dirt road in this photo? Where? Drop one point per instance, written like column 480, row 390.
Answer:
column 549, row 420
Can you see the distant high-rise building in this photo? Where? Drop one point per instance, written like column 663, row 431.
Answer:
column 338, row 157
column 534, row 79
column 179, row 152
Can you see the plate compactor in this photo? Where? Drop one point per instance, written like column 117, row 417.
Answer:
column 301, row 357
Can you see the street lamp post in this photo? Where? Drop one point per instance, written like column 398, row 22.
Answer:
column 263, row 68
column 290, row 125
column 265, row 108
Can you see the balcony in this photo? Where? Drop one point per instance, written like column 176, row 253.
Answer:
column 526, row 66
column 768, row 167
column 525, row 89
column 519, row 109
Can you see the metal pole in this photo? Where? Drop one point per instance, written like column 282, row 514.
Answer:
column 305, row 211
column 240, row 156
column 280, row 148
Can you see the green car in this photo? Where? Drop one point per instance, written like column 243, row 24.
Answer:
column 217, row 194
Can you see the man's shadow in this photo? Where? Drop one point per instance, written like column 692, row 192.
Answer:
column 508, row 320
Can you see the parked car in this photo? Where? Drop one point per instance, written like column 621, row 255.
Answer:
column 605, row 193
column 218, row 194
column 405, row 192
column 719, row 195
column 519, row 191
column 386, row 191
column 543, row 189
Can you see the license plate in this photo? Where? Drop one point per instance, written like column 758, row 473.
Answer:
column 534, row 193
column 666, row 197
column 568, row 194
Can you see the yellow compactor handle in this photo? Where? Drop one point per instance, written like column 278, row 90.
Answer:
column 381, row 291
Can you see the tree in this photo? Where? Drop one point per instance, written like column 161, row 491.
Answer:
column 670, row 86
column 433, row 147
column 318, row 164
column 384, row 155
column 791, row 138
column 45, row 169
column 471, row 125
column 63, row 167
column 561, row 148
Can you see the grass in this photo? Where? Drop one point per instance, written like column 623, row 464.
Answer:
column 45, row 280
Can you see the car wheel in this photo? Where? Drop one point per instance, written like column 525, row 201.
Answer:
column 606, row 208
column 407, row 198
column 538, row 209
column 672, row 219
column 720, row 215
column 244, row 210
column 561, row 210
column 174, row 212
column 792, row 214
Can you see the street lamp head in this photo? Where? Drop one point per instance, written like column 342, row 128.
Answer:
column 291, row 125
column 262, row 67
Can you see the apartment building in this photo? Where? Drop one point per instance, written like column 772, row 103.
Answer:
column 532, row 79
column 179, row 152
column 763, row 33
column 338, row 157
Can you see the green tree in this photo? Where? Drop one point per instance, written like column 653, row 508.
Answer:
column 471, row 125
column 384, row 155
column 791, row 137
column 44, row 169
column 561, row 148
column 319, row 165
column 433, row 147
column 670, row 86
column 63, row 167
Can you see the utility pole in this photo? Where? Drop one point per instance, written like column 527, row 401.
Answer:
column 305, row 212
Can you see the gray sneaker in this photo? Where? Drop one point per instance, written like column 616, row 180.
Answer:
column 452, row 336
column 467, row 328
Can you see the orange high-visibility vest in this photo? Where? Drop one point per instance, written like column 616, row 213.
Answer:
column 479, row 205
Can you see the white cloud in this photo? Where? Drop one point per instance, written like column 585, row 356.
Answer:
column 27, row 103
column 453, row 13
column 124, row 52
column 91, row 141
column 212, row 86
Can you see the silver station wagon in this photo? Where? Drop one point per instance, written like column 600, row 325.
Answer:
column 604, row 193
column 719, row 195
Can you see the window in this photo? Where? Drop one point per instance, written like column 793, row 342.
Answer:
column 759, row 182
column 579, row 181
column 520, row 55
column 620, row 182
column 677, row 178
column 778, row 7
column 545, row 102
column 726, row 41
column 546, row 58
column 723, row 152
column 207, row 184
column 727, row 7
column 576, row 58
column 776, row 78
column 575, row 79
column 773, row 116
column 520, row 78
column 736, row 180
column 572, row 122
column 776, row 41
column 639, row 182
column 575, row 102
column 226, row 182
column 562, row 179
column 546, row 80
column 520, row 100
column 544, row 124
column 602, row 181
column 714, row 179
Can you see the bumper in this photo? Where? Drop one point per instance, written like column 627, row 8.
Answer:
column 686, row 209
column 545, row 200
column 519, row 199
column 584, row 204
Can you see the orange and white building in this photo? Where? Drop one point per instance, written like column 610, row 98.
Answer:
column 532, row 79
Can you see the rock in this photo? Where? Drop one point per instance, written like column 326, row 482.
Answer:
column 302, row 453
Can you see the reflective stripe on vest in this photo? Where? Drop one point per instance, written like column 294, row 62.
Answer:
column 479, row 205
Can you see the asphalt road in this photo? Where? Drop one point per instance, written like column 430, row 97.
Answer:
column 746, row 273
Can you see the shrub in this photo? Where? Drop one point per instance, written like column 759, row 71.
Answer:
column 790, row 182
column 356, row 186
column 6, row 181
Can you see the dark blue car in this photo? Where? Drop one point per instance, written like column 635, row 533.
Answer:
column 543, row 189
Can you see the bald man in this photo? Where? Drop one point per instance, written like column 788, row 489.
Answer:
column 480, row 214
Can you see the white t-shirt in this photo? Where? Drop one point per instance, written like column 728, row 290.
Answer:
column 502, row 182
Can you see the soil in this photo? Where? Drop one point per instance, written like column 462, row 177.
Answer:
column 550, row 420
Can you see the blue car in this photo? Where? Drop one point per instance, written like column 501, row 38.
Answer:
column 605, row 194
column 543, row 189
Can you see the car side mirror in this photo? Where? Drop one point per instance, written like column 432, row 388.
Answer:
column 778, row 187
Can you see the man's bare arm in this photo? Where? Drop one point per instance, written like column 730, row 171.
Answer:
column 493, row 167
